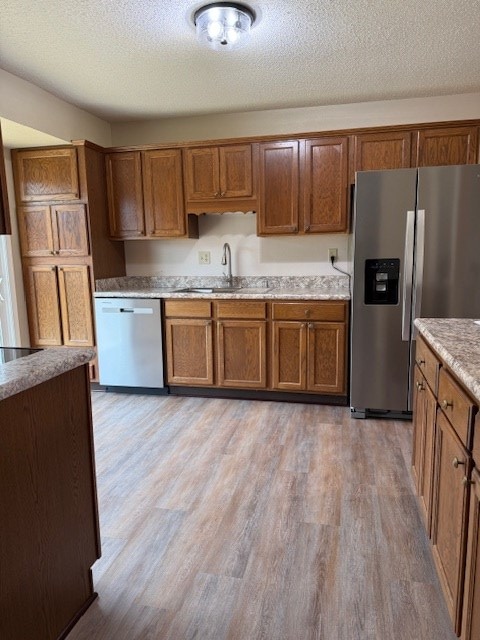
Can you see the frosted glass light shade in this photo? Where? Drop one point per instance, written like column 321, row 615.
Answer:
column 223, row 25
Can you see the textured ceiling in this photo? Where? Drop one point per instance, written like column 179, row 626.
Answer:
column 138, row 59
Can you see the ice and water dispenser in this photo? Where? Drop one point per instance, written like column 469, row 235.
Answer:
column 381, row 280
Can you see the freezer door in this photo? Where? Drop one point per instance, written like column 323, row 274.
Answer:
column 447, row 271
column 383, row 237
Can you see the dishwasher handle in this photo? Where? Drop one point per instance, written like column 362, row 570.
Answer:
column 137, row 310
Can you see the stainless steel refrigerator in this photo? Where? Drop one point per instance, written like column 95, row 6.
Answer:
column 416, row 254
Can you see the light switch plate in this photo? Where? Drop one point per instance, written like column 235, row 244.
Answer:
column 204, row 257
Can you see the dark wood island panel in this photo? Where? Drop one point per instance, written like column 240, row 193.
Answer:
column 48, row 509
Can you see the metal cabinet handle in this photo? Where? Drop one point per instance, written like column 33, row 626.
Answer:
column 52, row 252
column 466, row 481
column 446, row 404
column 222, row 194
column 311, row 325
column 420, row 386
column 421, row 362
column 457, row 463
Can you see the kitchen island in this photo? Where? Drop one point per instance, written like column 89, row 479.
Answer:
column 48, row 509
column 446, row 459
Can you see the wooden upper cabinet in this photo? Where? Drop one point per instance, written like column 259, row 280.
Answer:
column 235, row 166
column 125, row 194
column 163, row 193
column 379, row 151
column 445, row 146
column 5, row 227
column 219, row 178
column 278, row 194
column 325, row 185
column 60, row 230
column 46, row 175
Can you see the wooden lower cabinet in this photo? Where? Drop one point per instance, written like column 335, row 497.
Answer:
column 423, row 444
column 189, row 345
column 59, row 305
column 242, row 354
column 238, row 344
column 450, row 513
column 471, row 604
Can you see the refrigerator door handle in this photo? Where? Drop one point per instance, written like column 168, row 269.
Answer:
column 408, row 275
column 419, row 259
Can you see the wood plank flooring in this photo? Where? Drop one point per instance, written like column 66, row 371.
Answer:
column 243, row 520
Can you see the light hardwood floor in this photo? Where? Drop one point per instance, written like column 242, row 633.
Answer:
column 239, row 520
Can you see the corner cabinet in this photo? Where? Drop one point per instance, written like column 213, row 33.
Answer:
column 303, row 186
column 219, row 178
column 145, row 195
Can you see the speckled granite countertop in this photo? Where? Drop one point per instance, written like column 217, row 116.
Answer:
column 36, row 368
column 457, row 342
column 272, row 288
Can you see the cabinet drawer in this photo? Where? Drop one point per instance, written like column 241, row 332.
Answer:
column 427, row 362
column 327, row 311
column 188, row 308
column 241, row 309
column 457, row 406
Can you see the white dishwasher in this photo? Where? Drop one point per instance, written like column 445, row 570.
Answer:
column 129, row 342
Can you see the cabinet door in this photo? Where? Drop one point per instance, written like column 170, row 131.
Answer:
column 242, row 354
column 70, row 229
column 325, row 185
column 43, row 306
column 163, row 190
column 471, row 604
column 35, row 230
column 326, row 357
column 46, row 174
column 75, row 305
column 189, row 352
column 278, row 195
column 201, row 174
column 235, row 171
column 424, row 411
column 449, row 518
column 125, row 197
column 289, row 348
column 453, row 145
column 379, row 151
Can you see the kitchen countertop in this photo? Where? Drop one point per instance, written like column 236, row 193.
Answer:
column 24, row 373
column 457, row 342
column 250, row 293
column 250, row 288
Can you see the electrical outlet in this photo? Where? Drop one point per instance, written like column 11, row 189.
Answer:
column 333, row 253
column 204, row 257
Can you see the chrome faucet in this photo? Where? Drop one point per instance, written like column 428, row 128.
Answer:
column 227, row 260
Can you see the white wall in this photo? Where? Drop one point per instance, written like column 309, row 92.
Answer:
column 284, row 121
column 24, row 103
column 251, row 256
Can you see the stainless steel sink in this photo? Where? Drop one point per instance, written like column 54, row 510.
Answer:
column 208, row 290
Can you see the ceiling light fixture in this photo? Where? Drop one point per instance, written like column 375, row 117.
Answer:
column 223, row 25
